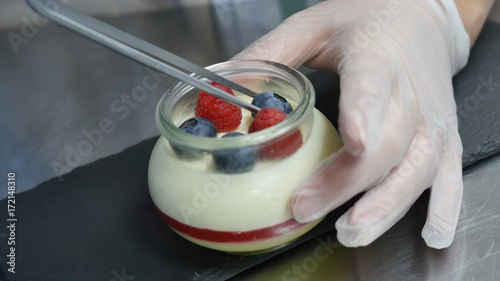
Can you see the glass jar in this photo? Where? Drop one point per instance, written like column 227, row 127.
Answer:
column 240, row 212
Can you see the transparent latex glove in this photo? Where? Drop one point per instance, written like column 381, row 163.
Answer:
column 397, row 113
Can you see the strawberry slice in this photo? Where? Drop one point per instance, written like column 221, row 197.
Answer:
column 277, row 148
column 225, row 116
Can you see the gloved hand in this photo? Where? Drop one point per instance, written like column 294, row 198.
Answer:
column 397, row 114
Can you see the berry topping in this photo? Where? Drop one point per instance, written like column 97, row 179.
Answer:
column 237, row 160
column 281, row 147
column 198, row 126
column 225, row 116
column 266, row 118
column 269, row 99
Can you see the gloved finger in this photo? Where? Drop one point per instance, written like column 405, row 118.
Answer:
column 446, row 197
column 343, row 175
column 366, row 87
column 294, row 41
column 381, row 207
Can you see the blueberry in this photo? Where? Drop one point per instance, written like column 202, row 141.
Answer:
column 197, row 126
column 236, row 160
column 269, row 99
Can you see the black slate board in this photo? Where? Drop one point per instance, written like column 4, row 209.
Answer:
column 477, row 94
column 99, row 223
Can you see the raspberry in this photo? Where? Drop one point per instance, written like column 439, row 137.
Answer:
column 277, row 148
column 225, row 116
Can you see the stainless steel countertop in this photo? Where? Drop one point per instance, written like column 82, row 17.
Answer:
column 57, row 89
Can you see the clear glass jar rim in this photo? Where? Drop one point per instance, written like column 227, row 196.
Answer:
column 300, row 114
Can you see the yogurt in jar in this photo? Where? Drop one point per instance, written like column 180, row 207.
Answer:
column 245, row 212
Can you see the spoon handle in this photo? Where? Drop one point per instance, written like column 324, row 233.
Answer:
column 139, row 50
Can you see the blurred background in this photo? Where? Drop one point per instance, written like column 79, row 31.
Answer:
column 67, row 101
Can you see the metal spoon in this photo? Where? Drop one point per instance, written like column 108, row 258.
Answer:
column 139, row 50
